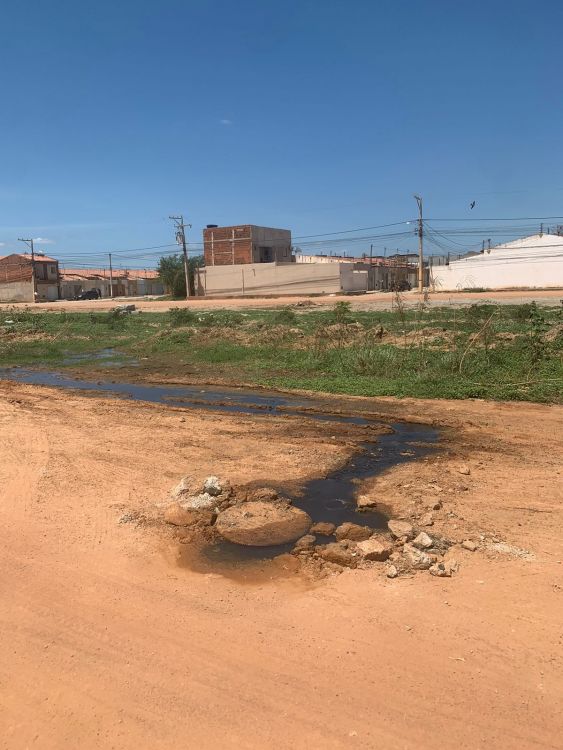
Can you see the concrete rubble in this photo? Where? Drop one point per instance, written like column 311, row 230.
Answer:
column 258, row 516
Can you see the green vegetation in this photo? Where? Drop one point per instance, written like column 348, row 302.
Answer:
column 480, row 351
column 172, row 274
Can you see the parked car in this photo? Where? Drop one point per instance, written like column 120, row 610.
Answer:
column 401, row 286
column 89, row 294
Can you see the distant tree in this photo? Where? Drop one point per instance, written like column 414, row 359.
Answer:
column 171, row 273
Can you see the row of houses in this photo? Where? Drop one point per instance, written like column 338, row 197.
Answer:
column 259, row 261
column 24, row 278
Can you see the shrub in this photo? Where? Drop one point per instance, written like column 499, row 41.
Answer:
column 285, row 315
column 342, row 313
column 181, row 316
column 223, row 319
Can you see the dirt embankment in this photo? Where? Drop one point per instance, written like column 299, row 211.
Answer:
column 108, row 642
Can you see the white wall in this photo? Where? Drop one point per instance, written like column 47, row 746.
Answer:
column 531, row 262
column 283, row 278
column 270, row 278
column 16, row 291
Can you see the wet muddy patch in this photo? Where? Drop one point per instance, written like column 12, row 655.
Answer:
column 331, row 500
column 104, row 357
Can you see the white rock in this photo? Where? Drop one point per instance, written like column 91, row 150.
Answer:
column 444, row 569
column 468, row 544
column 423, row 541
column 182, row 488
column 417, row 559
column 199, row 502
column 212, row 486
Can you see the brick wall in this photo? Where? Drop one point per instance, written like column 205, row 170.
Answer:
column 246, row 243
column 225, row 246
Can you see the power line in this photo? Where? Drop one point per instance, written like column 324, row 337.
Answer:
column 350, row 231
column 517, row 218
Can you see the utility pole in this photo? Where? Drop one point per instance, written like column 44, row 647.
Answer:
column 181, row 240
column 33, row 278
column 418, row 200
column 110, row 278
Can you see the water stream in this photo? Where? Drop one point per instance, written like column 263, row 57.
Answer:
column 328, row 498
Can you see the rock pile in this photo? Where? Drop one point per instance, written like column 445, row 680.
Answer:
column 258, row 517
column 197, row 505
column 252, row 517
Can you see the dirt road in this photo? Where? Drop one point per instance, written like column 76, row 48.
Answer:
column 108, row 643
column 371, row 301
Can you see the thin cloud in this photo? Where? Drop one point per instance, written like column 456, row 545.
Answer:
column 44, row 241
column 225, row 121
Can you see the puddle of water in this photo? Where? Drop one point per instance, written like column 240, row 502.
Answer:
column 230, row 400
column 108, row 357
column 330, row 498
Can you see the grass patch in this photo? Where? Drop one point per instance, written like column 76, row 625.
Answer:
column 480, row 351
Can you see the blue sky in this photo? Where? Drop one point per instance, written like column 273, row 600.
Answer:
column 315, row 116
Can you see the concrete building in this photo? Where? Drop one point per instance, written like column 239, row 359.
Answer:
column 384, row 273
column 24, row 280
column 262, row 279
column 251, row 260
column 244, row 244
column 126, row 283
column 534, row 262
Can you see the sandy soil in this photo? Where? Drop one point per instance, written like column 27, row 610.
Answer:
column 371, row 301
column 108, row 643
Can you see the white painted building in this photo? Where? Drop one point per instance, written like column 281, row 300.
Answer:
column 534, row 262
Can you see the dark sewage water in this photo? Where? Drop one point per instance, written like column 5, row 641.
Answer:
column 328, row 498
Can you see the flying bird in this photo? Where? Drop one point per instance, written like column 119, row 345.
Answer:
column 472, row 204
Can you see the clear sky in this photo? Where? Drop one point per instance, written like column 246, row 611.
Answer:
column 313, row 116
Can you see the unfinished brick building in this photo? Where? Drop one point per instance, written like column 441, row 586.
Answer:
column 246, row 243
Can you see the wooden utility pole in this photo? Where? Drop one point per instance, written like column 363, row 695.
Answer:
column 110, row 278
column 33, row 277
column 418, row 200
column 181, row 240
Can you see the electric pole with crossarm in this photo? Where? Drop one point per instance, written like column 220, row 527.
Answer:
column 29, row 243
column 418, row 200
column 181, row 240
